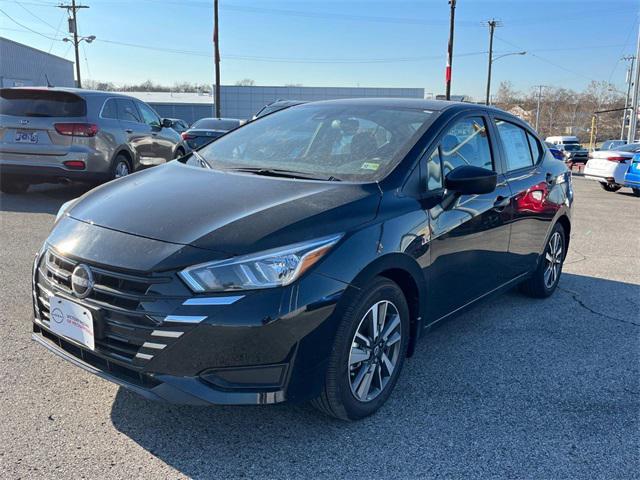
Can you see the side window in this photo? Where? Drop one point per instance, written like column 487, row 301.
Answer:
column 516, row 145
column 127, row 111
column 536, row 149
column 110, row 109
column 466, row 143
column 434, row 171
column 149, row 116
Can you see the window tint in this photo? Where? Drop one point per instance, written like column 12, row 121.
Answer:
column 434, row 171
column 110, row 109
column 127, row 110
column 41, row 103
column 150, row 117
column 536, row 149
column 466, row 143
column 516, row 146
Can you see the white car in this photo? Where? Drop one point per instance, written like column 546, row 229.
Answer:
column 609, row 166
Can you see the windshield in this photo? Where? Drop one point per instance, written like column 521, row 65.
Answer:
column 216, row 124
column 572, row 147
column 632, row 147
column 358, row 143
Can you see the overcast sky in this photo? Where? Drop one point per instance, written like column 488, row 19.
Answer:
column 339, row 43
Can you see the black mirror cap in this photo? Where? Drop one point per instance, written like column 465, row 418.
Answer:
column 470, row 180
column 166, row 123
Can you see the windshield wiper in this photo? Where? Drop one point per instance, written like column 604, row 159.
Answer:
column 276, row 172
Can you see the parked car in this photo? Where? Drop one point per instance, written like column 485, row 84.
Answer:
column 573, row 152
column 63, row 134
column 632, row 177
column 276, row 107
column 179, row 125
column 555, row 151
column 255, row 276
column 206, row 130
column 612, row 144
column 562, row 139
column 610, row 166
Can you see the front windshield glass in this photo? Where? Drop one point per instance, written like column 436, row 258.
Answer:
column 356, row 143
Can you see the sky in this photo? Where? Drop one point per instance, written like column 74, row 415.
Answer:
column 391, row 43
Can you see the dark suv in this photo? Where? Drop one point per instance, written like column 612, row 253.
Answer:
column 302, row 255
column 57, row 134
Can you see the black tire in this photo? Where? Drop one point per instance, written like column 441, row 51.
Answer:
column 118, row 168
column 610, row 187
column 13, row 186
column 636, row 191
column 337, row 398
column 537, row 285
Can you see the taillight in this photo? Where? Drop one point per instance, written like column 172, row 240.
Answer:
column 187, row 136
column 74, row 164
column 77, row 129
column 617, row 159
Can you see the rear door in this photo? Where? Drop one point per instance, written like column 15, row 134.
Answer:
column 28, row 118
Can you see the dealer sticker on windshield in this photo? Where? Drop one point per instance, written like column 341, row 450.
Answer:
column 370, row 166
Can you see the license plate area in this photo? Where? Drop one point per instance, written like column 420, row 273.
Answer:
column 26, row 136
column 71, row 320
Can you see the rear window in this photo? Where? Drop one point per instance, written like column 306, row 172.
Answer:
column 41, row 103
column 216, row 124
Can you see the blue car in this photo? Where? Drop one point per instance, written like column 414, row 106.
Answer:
column 632, row 177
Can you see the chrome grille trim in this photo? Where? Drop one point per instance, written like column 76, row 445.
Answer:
column 157, row 346
column 166, row 333
column 144, row 356
column 184, row 318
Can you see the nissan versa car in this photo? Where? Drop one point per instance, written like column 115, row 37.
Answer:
column 65, row 134
column 302, row 256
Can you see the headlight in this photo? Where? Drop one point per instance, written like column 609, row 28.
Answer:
column 272, row 268
column 65, row 206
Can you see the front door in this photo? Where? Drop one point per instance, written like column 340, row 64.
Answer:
column 469, row 235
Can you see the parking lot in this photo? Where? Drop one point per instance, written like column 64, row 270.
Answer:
column 514, row 388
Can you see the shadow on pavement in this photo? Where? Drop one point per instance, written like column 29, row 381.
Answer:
column 515, row 387
column 44, row 198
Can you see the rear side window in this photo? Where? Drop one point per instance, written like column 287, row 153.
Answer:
column 536, row 149
column 41, row 103
column 516, row 145
column 127, row 111
column 110, row 109
column 466, row 143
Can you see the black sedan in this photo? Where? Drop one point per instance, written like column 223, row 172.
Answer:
column 206, row 130
column 302, row 256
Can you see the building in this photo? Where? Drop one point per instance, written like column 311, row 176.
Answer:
column 244, row 101
column 21, row 65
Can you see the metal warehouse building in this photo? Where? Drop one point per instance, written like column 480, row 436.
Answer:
column 242, row 102
column 21, row 65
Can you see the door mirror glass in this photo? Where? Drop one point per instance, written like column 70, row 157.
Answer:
column 470, row 180
column 167, row 123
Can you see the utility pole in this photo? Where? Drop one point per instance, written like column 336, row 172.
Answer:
column 539, row 87
column 633, row 121
column 73, row 28
column 452, row 3
column 216, row 59
column 628, row 58
column 492, row 26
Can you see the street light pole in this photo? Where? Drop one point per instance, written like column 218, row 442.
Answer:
column 452, row 3
column 73, row 28
column 492, row 26
column 629, row 79
column 633, row 121
column 216, row 53
column 540, row 87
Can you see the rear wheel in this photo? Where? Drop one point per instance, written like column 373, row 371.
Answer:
column 368, row 352
column 636, row 191
column 545, row 279
column 121, row 167
column 610, row 187
column 12, row 185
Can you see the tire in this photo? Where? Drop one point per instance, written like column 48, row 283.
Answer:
column 636, row 191
column 121, row 167
column 544, row 280
column 358, row 379
column 13, row 186
column 610, row 187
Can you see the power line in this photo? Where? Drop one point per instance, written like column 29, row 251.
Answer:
column 25, row 27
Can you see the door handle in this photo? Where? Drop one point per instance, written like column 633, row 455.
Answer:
column 128, row 130
column 501, row 203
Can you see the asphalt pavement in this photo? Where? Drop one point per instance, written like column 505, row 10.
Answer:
column 514, row 388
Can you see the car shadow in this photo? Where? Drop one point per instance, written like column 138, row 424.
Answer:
column 515, row 387
column 43, row 198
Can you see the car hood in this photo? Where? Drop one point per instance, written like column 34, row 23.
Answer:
column 232, row 213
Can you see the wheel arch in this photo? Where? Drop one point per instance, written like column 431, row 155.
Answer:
column 566, row 225
column 127, row 153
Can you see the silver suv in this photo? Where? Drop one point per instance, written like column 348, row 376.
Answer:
column 62, row 134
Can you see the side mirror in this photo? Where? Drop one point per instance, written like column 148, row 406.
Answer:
column 470, row 180
column 166, row 123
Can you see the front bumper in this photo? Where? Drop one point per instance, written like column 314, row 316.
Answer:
column 269, row 346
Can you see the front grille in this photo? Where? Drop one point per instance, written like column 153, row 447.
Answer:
column 126, row 307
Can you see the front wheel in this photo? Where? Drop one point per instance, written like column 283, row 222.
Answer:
column 121, row 167
column 368, row 352
column 610, row 187
column 545, row 279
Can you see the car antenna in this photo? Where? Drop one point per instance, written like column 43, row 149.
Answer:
column 49, row 85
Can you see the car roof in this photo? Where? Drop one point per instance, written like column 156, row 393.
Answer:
column 417, row 103
column 78, row 91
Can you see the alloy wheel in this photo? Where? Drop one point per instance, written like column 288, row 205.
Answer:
column 375, row 350
column 122, row 169
column 553, row 259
